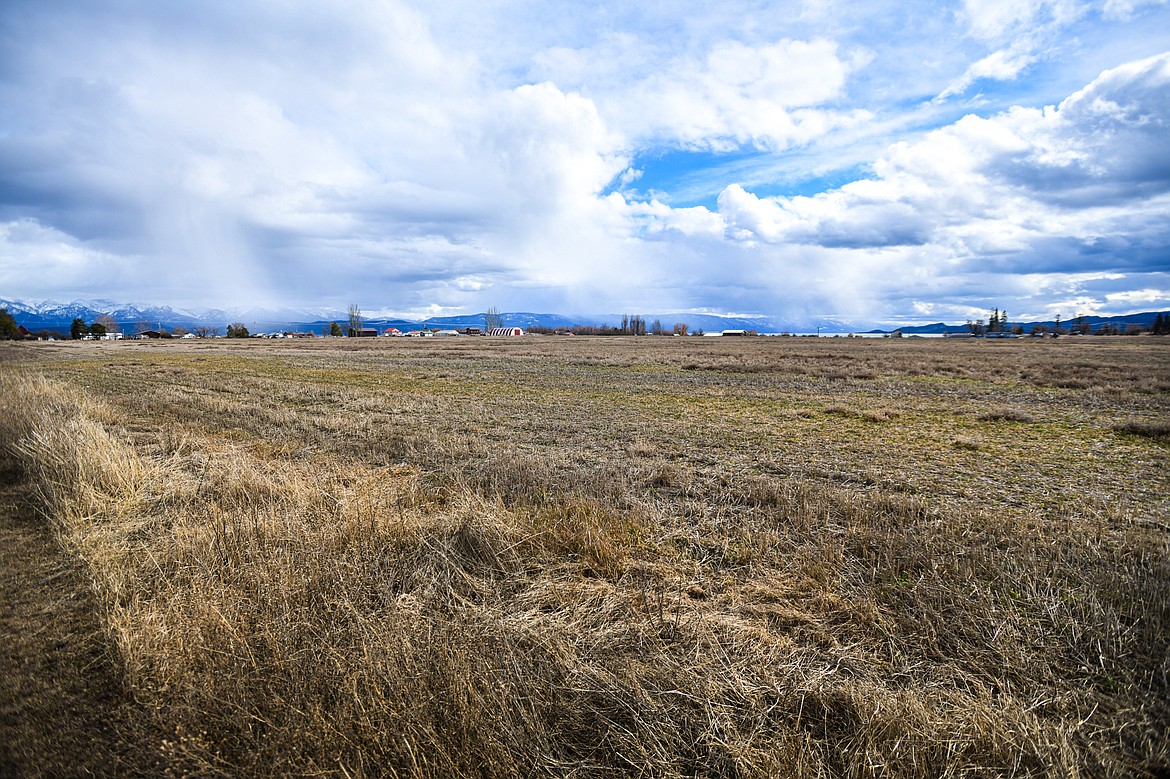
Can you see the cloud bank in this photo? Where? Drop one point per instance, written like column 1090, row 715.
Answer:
column 447, row 158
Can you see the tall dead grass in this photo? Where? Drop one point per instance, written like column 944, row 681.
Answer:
column 531, row 617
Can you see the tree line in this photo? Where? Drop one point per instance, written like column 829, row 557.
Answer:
column 631, row 324
column 1161, row 325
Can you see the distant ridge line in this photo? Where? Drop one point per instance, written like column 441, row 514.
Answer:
column 50, row 315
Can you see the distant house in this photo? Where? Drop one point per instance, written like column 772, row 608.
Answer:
column 152, row 334
column 506, row 331
column 392, row 331
column 363, row 332
column 471, row 331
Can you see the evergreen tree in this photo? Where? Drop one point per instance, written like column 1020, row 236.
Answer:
column 78, row 329
column 8, row 327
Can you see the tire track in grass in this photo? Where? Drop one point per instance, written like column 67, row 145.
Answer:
column 63, row 711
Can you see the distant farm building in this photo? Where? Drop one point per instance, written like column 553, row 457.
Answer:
column 392, row 331
column 363, row 332
column 505, row 331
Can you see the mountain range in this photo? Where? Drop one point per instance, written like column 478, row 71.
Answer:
column 51, row 315
column 1143, row 319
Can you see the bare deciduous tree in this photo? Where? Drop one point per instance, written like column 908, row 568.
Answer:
column 107, row 321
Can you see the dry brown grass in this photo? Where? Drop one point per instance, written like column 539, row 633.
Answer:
column 592, row 557
column 1159, row 430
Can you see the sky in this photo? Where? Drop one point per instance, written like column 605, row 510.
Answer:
column 877, row 161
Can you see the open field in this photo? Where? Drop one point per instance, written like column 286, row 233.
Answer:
column 599, row 557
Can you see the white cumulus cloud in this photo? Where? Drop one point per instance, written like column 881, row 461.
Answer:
column 772, row 96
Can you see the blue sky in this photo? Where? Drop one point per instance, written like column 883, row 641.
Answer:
column 876, row 161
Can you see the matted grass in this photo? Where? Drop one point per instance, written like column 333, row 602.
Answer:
column 613, row 557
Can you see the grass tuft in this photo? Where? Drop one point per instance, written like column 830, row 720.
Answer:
column 1157, row 430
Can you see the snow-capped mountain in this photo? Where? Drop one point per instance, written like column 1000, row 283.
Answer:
column 52, row 315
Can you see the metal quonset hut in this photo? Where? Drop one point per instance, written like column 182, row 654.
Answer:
column 505, row 331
